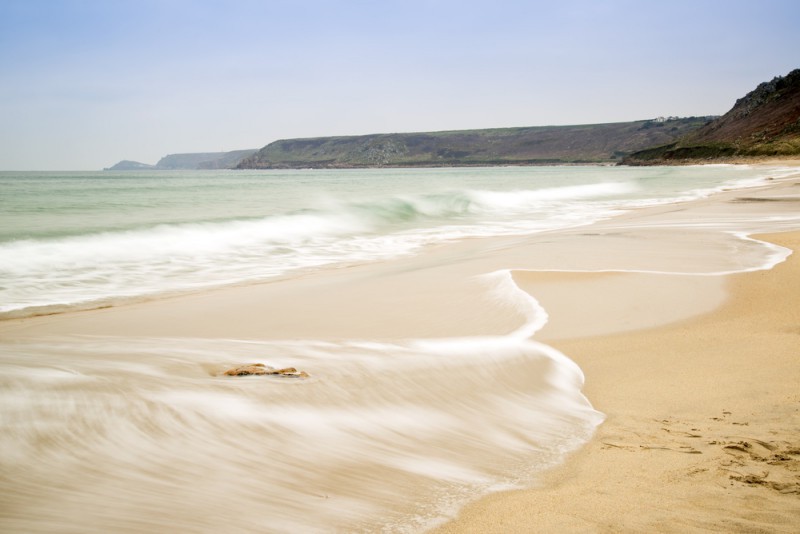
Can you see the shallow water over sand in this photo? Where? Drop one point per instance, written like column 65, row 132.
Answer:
column 141, row 435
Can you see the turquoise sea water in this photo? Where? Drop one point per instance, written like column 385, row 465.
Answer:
column 86, row 239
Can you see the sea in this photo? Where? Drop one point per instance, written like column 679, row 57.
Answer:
column 110, row 434
column 85, row 239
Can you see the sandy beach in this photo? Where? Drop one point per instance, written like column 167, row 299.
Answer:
column 696, row 370
column 702, row 428
column 703, row 415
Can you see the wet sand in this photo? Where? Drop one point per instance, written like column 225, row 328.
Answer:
column 696, row 371
column 703, row 427
column 703, row 416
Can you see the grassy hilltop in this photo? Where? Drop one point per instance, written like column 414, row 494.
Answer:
column 593, row 143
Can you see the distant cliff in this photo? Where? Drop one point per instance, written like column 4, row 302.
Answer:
column 189, row 161
column 226, row 160
column 203, row 160
column 763, row 123
column 593, row 143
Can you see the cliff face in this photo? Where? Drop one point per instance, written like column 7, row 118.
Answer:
column 226, row 160
column 203, row 160
column 595, row 143
column 765, row 115
column 765, row 122
column 190, row 161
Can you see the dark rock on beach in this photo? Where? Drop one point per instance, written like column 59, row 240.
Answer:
column 258, row 369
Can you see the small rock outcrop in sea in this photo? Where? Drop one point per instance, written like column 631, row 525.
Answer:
column 257, row 369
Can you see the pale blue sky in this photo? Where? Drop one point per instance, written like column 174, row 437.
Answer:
column 86, row 83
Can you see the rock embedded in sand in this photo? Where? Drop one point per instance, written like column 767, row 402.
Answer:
column 258, row 369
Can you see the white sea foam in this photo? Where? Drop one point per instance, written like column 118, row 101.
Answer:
column 523, row 200
column 309, row 223
column 165, row 258
column 384, row 434
column 503, row 288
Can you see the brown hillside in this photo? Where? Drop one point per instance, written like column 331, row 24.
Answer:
column 770, row 111
column 765, row 122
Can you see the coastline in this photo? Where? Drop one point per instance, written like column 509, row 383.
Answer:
column 701, row 428
column 702, row 416
column 448, row 290
column 624, row 270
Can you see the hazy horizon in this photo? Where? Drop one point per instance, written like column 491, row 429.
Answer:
column 86, row 84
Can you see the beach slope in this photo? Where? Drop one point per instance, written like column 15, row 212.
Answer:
column 702, row 429
column 683, row 318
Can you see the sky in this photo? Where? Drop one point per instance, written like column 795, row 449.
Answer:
column 87, row 83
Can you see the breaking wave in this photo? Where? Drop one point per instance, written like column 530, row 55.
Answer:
column 38, row 274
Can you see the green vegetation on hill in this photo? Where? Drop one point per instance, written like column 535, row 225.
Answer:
column 763, row 123
column 593, row 143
